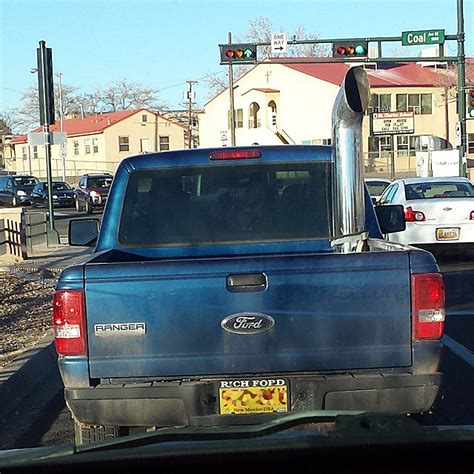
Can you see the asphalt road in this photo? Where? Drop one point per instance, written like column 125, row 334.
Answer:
column 454, row 405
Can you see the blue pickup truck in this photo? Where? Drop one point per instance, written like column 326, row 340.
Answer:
column 234, row 285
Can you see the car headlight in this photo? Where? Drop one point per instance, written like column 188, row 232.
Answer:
column 55, row 196
column 21, row 193
column 94, row 194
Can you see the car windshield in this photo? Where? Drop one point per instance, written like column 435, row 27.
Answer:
column 447, row 189
column 99, row 182
column 25, row 181
column 58, row 186
column 259, row 210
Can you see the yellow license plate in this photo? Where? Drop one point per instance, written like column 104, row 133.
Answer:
column 447, row 233
column 252, row 400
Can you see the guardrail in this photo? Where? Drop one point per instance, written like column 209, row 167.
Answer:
column 11, row 236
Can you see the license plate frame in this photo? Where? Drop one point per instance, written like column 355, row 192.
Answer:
column 447, row 233
column 250, row 397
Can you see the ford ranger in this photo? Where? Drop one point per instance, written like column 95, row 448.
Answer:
column 237, row 285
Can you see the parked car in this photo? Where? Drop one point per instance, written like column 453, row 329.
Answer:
column 437, row 210
column 15, row 190
column 376, row 187
column 63, row 195
column 92, row 191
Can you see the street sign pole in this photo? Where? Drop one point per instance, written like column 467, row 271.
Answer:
column 46, row 101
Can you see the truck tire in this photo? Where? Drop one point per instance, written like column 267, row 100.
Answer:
column 89, row 208
column 89, row 434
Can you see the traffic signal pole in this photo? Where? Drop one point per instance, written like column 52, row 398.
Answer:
column 231, row 92
column 461, row 62
column 46, row 101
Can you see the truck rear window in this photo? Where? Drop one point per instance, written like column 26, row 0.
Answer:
column 208, row 205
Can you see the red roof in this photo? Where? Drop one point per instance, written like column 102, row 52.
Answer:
column 91, row 124
column 19, row 139
column 88, row 125
column 386, row 75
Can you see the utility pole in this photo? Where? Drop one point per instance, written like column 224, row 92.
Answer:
column 231, row 92
column 46, row 103
column 190, row 112
column 461, row 61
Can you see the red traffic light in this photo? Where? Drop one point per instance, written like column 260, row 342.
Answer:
column 341, row 50
column 229, row 53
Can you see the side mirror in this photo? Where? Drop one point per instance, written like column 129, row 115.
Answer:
column 83, row 232
column 391, row 218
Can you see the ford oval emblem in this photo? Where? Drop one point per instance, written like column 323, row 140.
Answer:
column 247, row 323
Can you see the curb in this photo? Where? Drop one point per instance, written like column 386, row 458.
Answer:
column 27, row 385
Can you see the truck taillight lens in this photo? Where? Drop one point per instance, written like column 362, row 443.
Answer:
column 427, row 306
column 414, row 216
column 69, row 322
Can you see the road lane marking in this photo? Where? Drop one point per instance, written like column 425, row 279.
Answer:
column 461, row 351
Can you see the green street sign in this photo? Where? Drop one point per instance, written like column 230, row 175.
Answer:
column 415, row 38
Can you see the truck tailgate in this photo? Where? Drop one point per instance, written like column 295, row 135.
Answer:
column 331, row 312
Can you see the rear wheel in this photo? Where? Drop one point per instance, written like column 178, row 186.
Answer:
column 88, row 434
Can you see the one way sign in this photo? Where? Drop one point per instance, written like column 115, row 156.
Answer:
column 279, row 43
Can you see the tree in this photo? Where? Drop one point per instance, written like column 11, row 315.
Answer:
column 27, row 117
column 5, row 124
column 260, row 30
column 126, row 95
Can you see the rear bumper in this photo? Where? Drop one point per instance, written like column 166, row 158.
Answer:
column 197, row 403
column 423, row 233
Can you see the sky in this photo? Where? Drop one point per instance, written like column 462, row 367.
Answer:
column 162, row 43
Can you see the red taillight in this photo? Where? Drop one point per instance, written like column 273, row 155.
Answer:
column 471, row 216
column 414, row 216
column 69, row 322
column 427, row 306
column 235, row 154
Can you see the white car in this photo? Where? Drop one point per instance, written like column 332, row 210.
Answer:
column 437, row 210
column 376, row 187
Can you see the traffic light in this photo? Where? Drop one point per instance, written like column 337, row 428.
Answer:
column 357, row 49
column 243, row 53
column 470, row 103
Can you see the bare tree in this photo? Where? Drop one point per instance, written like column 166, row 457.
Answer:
column 126, row 95
column 6, row 124
column 26, row 117
column 260, row 30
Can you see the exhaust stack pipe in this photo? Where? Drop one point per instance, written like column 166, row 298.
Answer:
column 348, row 169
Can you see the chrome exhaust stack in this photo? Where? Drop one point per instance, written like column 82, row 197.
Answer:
column 348, row 190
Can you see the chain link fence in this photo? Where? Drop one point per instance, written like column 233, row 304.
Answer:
column 390, row 164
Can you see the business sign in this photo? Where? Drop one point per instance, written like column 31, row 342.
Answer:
column 393, row 123
column 445, row 163
column 415, row 38
column 422, row 164
column 279, row 42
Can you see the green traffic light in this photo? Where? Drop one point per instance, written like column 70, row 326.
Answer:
column 359, row 49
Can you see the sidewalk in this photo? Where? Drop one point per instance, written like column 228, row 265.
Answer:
column 54, row 259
